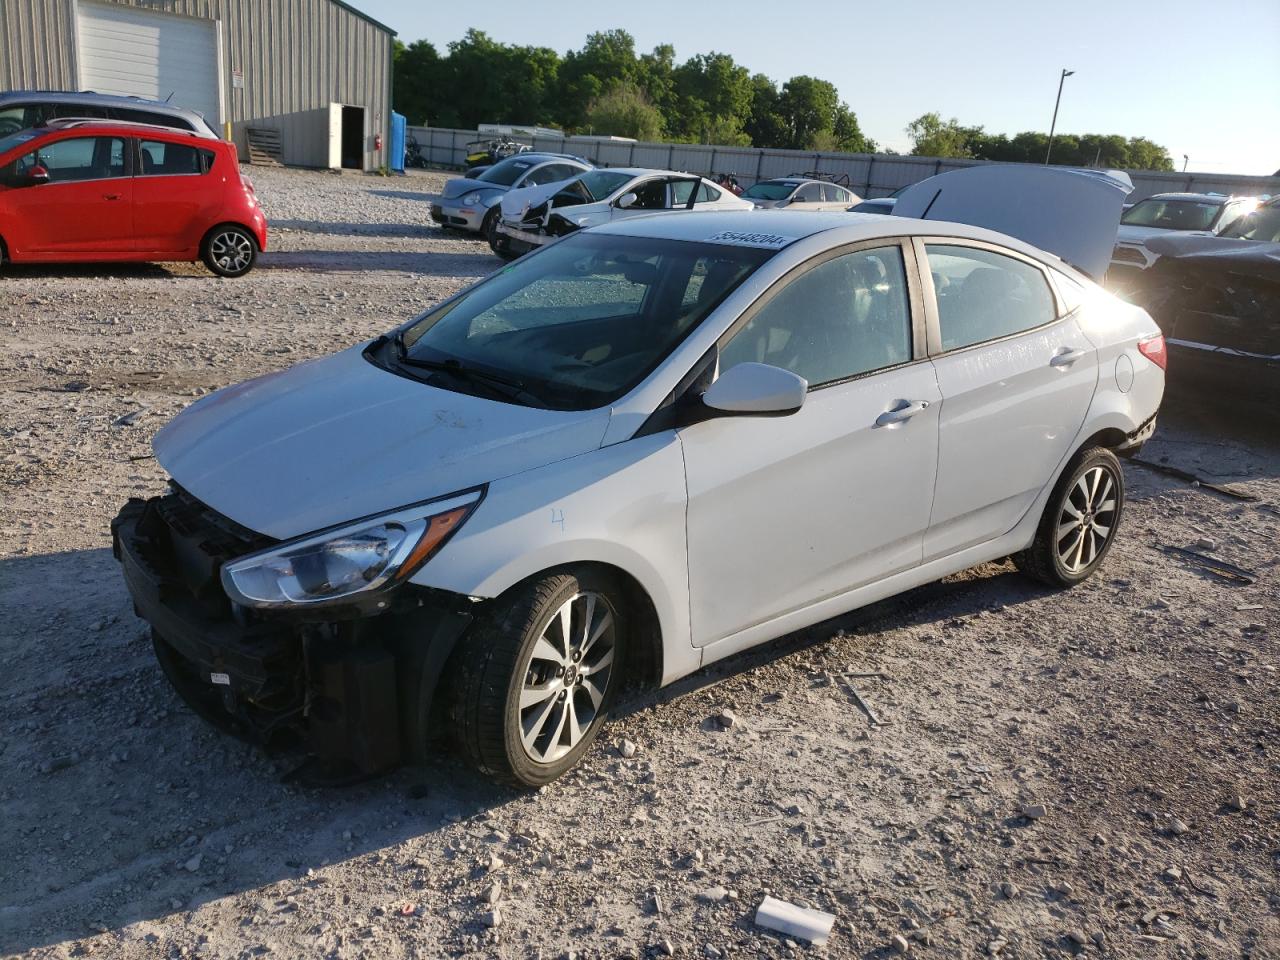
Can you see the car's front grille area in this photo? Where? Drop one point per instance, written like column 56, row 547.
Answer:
column 194, row 540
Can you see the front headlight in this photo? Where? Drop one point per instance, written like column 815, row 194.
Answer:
column 472, row 198
column 349, row 560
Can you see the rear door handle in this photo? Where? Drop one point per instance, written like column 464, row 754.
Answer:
column 901, row 414
column 111, row 196
column 1065, row 357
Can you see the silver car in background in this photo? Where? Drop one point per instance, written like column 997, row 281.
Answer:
column 471, row 203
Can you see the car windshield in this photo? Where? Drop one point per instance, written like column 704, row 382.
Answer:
column 600, row 183
column 1171, row 214
column 577, row 325
column 15, row 139
column 769, row 190
column 1262, row 224
column 505, row 173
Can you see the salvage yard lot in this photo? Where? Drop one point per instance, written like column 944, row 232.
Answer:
column 1054, row 773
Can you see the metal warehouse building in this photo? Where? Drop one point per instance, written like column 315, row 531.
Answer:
column 313, row 76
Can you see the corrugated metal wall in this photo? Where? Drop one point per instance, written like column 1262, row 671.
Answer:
column 292, row 57
column 36, row 47
column 870, row 175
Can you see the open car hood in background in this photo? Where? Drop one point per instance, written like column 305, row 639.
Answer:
column 515, row 202
column 1073, row 214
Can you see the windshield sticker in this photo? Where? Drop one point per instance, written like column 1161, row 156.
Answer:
column 771, row 240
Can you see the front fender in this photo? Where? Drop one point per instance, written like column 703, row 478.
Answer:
column 622, row 506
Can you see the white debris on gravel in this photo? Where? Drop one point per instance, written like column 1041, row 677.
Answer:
column 1089, row 701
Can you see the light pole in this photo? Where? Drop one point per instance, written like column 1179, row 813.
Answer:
column 1185, row 161
column 1053, row 126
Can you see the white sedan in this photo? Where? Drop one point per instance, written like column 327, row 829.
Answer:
column 535, row 216
column 646, row 447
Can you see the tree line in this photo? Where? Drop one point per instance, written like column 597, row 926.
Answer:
column 933, row 136
column 606, row 88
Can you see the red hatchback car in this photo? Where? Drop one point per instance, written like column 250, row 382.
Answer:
column 101, row 190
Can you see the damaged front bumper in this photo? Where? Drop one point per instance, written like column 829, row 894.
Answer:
column 353, row 682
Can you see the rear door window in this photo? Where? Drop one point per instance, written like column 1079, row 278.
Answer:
column 985, row 296
column 162, row 159
column 551, row 173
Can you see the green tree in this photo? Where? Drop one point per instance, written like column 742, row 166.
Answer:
column 624, row 111
column 931, row 136
column 417, row 73
column 808, row 107
column 765, row 124
column 607, row 58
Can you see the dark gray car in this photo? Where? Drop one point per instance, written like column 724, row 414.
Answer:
column 21, row 109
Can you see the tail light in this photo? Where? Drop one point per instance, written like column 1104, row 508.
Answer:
column 1154, row 350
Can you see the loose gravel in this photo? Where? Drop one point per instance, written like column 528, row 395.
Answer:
column 1051, row 773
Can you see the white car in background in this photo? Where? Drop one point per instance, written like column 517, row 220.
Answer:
column 1167, row 214
column 800, row 193
column 650, row 445
column 536, row 216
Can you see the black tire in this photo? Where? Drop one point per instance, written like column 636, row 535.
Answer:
column 229, row 251
column 1044, row 560
column 495, row 663
column 497, row 242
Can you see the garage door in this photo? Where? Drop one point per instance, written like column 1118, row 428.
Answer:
column 135, row 52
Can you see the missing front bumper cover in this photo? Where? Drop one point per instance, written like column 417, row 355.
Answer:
column 354, row 689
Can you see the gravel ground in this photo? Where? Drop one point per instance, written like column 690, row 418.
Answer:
column 1053, row 773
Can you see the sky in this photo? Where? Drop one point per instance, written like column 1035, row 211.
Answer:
column 1201, row 79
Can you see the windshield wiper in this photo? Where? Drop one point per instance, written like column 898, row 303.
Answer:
column 504, row 386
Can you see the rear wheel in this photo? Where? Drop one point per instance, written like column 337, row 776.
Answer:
column 229, row 251
column 1079, row 522
column 536, row 675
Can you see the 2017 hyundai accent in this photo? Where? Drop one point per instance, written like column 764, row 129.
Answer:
column 646, row 447
column 76, row 191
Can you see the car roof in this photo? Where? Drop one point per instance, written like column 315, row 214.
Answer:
column 648, row 172
column 1197, row 197
column 530, row 157
column 125, row 127
column 789, row 227
column 98, row 99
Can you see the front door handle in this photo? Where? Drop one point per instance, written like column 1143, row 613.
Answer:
column 901, row 414
column 1065, row 357
column 111, row 196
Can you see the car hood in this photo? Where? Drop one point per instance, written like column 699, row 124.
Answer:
column 1073, row 214
column 336, row 439
column 516, row 202
column 764, row 204
column 1139, row 235
column 1229, row 254
column 460, row 186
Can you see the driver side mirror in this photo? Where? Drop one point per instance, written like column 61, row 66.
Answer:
column 627, row 200
column 756, row 389
column 37, row 175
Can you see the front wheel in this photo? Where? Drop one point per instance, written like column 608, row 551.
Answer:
column 1079, row 523
column 536, row 674
column 229, row 251
column 498, row 242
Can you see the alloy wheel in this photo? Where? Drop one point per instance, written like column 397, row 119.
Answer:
column 566, row 677
column 231, row 251
column 1087, row 519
